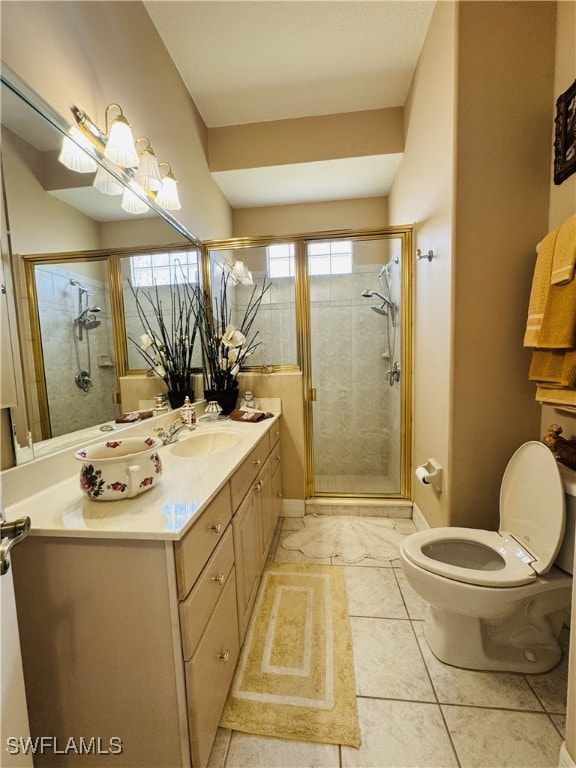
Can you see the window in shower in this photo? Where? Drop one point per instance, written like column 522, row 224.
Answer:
column 170, row 268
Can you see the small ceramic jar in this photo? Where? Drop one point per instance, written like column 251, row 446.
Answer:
column 119, row 469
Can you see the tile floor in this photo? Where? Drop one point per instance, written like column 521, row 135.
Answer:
column 414, row 710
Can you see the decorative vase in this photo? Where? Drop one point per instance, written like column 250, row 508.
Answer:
column 176, row 397
column 226, row 398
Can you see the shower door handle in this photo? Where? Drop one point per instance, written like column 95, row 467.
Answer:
column 312, row 394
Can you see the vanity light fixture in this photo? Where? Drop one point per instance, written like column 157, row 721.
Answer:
column 241, row 274
column 132, row 203
column 120, row 146
column 148, row 175
column 75, row 152
column 167, row 196
column 106, row 183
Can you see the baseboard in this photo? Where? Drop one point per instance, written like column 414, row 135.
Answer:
column 565, row 759
column 293, row 508
column 418, row 518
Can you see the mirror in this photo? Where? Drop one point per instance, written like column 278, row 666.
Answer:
column 70, row 235
column 247, row 268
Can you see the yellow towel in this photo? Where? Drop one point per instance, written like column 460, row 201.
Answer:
column 564, row 262
column 560, row 397
column 558, row 328
column 553, row 367
column 540, row 289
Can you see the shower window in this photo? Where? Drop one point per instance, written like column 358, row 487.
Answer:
column 280, row 258
column 330, row 257
column 168, row 268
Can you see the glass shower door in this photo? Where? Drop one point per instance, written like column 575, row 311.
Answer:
column 355, row 290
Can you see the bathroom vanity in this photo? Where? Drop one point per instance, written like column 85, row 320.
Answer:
column 132, row 613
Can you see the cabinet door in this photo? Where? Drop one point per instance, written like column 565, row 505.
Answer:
column 277, row 494
column 209, row 674
column 245, row 526
column 265, row 511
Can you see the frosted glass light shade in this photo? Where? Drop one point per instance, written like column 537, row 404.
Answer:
column 148, row 175
column 132, row 203
column 120, row 147
column 106, row 183
column 167, row 197
column 73, row 156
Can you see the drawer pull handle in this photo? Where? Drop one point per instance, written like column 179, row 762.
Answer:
column 225, row 655
column 219, row 578
column 257, row 462
column 216, row 527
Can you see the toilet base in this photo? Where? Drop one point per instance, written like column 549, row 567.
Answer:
column 524, row 642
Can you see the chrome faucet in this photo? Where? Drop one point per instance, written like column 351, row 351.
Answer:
column 173, row 431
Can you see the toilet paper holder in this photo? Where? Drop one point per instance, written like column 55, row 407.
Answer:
column 430, row 473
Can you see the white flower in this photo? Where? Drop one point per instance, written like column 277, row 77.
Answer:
column 146, row 341
column 233, row 355
column 159, row 370
column 234, row 370
column 233, row 337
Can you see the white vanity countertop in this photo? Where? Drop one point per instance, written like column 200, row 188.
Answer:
column 164, row 512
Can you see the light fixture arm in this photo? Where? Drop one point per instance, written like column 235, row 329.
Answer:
column 120, row 118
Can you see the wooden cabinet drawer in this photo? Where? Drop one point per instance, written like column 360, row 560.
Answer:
column 193, row 551
column 209, row 674
column 246, row 473
column 198, row 606
column 274, row 435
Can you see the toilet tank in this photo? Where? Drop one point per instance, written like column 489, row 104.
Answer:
column 565, row 558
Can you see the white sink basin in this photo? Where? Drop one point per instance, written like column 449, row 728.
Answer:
column 206, row 444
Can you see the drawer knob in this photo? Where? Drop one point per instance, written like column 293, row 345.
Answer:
column 257, row 462
column 277, row 433
column 219, row 578
column 216, row 527
column 259, row 486
column 278, row 459
column 225, row 655
column 279, row 495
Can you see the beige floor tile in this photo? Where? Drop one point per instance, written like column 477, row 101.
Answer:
column 400, row 734
column 497, row 738
column 552, row 687
column 367, row 562
column 560, row 723
column 247, row 751
column 374, row 592
column 415, row 606
column 483, row 689
column 387, row 660
column 294, row 555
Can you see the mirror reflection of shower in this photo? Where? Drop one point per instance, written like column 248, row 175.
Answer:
column 389, row 310
column 84, row 322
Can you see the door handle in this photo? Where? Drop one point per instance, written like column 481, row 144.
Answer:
column 10, row 534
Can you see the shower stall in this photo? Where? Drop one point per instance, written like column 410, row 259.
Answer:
column 358, row 357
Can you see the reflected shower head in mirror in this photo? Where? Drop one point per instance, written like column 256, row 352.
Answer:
column 385, row 299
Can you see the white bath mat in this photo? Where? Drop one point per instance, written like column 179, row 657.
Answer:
column 349, row 538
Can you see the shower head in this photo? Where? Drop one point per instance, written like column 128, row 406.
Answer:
column 384, row 299
column 82, row 316
column 382, row 310
column 90, row 322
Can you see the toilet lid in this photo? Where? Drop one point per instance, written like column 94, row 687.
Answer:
column 532, row 503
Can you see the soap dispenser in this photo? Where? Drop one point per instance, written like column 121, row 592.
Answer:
column 188, row 412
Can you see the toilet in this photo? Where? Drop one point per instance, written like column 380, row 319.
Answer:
column 497, row 600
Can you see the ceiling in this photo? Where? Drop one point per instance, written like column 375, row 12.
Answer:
column 249, row 61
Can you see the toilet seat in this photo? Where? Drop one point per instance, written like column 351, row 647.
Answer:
column 532, row 521
column 515, row 566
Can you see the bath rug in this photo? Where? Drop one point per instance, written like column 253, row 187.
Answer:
column 295, row 677
column 350, row 538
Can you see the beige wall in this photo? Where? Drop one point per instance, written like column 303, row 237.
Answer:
column 95, row 53
column 365, row 213
column 307, row 139
column 501, row 213
column 423, row 193
column 563, row 205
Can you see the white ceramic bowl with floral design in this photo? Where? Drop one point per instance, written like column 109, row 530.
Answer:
column 119, row 469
